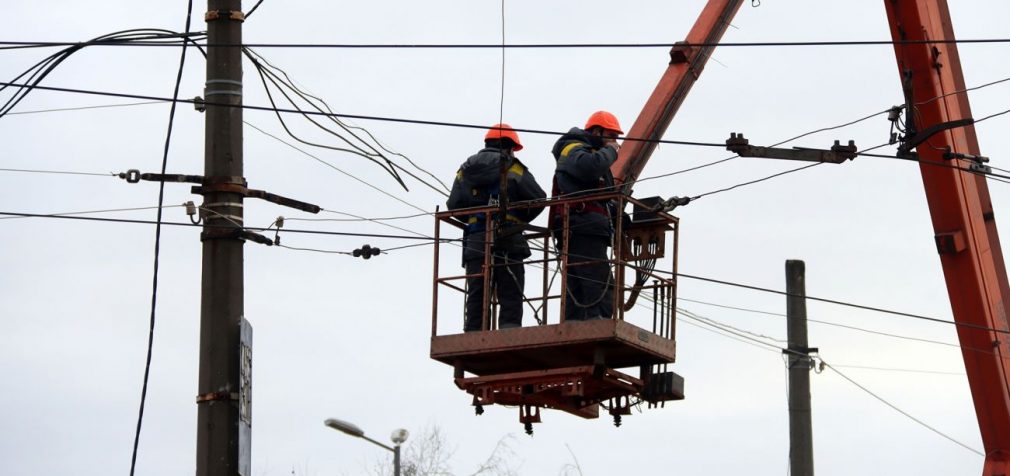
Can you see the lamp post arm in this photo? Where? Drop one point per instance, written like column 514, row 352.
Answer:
column 390, row 448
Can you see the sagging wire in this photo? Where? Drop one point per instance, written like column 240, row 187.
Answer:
column 264, row 77
column 88, row 212
column 356, row 144
column 157, row 236
column 343, row 124
column 34, row 75
column 334, row 167
column 822, row 365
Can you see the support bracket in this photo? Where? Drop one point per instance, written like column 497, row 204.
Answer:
column 838, row 153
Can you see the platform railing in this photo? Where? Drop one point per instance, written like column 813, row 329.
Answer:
column 637, row 249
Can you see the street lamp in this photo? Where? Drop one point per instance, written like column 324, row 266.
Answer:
column 398, row 437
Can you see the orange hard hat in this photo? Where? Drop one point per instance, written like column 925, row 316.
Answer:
column 504, row 131
column 605, row 120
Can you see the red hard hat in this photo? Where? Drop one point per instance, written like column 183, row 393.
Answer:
column 605, row 120
column 504, row 131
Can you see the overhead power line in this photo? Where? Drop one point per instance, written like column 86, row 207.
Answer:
column 891, row 369
column 60, row 172
column 343, row 116
column 442, row 46
column 192, row 225
column 773, row 348
column 84, row 108
column 899, row 410
column 89, row 212
column 837, row 302
column 827, row 323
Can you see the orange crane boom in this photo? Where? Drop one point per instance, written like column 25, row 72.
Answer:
column 939, row 114
column 941, row 132
column 686, row 64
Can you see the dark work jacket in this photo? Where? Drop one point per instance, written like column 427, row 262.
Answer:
column 583, row 167
column 477, row 181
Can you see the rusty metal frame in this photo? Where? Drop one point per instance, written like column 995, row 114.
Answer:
column 564, row 366
column 618, row 262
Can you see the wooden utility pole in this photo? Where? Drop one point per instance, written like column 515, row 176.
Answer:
column 223, row 420
column 801, row 447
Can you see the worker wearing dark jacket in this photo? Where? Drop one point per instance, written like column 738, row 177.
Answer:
column 479, row 183
column 584, row 157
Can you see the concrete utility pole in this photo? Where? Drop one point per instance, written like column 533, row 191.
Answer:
column 223, row 420
column 801, row 447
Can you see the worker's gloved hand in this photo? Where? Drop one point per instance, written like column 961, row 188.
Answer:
column 614, row 145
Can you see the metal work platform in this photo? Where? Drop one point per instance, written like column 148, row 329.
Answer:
column 574, row 366
column 615, row 344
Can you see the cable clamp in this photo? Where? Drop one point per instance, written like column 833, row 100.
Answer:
column 131, row 176
column 217, row 396
column 214, row 15
column 801, row 350
column 234, row 234
column 366, row 252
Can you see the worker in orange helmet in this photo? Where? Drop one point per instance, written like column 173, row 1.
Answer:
column 494, row 176
column 583, row 158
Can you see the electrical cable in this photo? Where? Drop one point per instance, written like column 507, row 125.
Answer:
column 754, row 334
column 82, row 108
column 372, row 219
column 973, row 88
column 317, row 250
column 388, row 225
column 309, row 98
column 345, row 116
column 248, row 228
column 418, row 46
column 989, row 175
column 501, row 104
column 334, row 167
column 157, row 246
column 113, row 210
column 769, row 347
column 864, row 118
column 40, row 70
column 812, row 298
column 840, row 303
column 396, row 248
column 751, row 182
column 861, row 387
column 474, row 126
column 889, row 369
column 253, row 9
column 895, row 408
column 827, row 323
column 60, row 172
column 728, row 336
column 264, row 77
column 372, row 153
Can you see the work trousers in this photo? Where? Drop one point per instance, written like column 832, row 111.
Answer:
column 507, row 282
column 590, row 282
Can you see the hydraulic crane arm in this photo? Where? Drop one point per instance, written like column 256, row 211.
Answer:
column 686, row 64
column 961, row 211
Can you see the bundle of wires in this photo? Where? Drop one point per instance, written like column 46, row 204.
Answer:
column 34, row 75
column 354, row 139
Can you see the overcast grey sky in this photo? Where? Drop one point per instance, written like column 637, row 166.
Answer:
column 342, row 337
